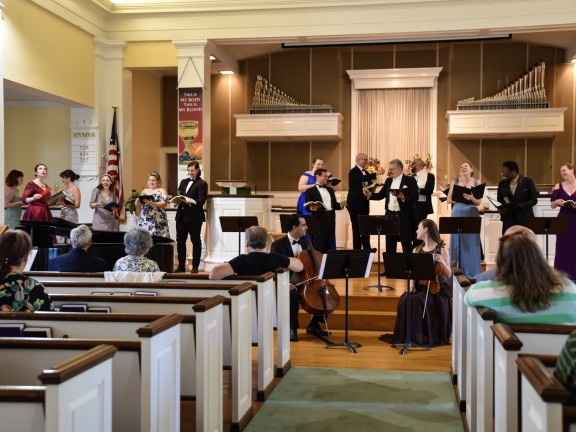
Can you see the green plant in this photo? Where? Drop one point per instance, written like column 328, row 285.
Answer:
column 130, row 203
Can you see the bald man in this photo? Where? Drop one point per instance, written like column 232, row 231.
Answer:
column 514, row 229
column 357, row 202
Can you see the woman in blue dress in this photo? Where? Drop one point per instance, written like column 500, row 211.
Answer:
column 466, row 251
column 307, row 181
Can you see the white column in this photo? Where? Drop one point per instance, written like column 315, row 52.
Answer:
column 194, row 71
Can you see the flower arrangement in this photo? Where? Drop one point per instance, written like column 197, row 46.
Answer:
column 372, row 165
column 426, row 159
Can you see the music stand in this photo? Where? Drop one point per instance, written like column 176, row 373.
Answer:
column 237, row 224
column 414, row 266
column 377, row 225
column 345, row 264
column 549, row 225
column 311, row 223
column 460, row 225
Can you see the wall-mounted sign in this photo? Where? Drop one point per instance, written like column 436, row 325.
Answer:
column 85, row 151
column 189, row 125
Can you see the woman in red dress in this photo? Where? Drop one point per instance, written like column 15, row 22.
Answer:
column 36, row 193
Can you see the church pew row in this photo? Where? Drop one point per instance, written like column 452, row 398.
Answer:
column 265, row 305
column 510, row 342
column 237, row 345
column 207, row 358
column 278, row 297
column 75, row 395
column 460, row 284
column 543, row 397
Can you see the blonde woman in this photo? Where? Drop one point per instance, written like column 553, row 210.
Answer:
column 152, row 203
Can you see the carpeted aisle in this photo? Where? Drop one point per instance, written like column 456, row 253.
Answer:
column 326, row 399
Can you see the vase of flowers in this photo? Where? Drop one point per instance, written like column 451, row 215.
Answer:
column 426, row 159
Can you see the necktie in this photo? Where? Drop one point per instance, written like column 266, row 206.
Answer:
column 296, row 242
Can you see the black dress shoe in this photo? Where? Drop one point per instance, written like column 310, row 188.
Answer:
column 317, row 331
column 194, row 269
column 389, row 338
column 179, row 270
column 293, row 336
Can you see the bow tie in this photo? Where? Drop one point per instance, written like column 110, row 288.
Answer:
column 296, row 242
column 190, row 179
column 321, row 186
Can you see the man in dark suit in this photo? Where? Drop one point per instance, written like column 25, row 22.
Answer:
column 422, row 207
column 190, row 217
column 517, row 194
column 78, row 259
column 400, row 193
column 356, row 202
column 294, row 242
column 326, row 212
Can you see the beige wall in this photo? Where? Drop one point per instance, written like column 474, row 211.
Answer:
column 318, row 76
column 37, row 135
column 147, row 121
column 154, row 54
column 59, row 56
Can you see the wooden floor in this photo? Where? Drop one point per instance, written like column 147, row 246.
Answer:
column 373, row 354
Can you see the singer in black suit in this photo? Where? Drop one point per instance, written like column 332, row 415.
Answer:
column 190, row 217
column 399, row 203
column 423, row 206
column 356, row 202
column 291, row 245
column 518, row 190
column 326, row 236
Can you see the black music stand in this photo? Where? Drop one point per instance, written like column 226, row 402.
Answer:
column 311, row 223
column 237, row 224
column 345, row 264
column 377, row 225
column 549, row 225
column 414, row 266
column 460, row 225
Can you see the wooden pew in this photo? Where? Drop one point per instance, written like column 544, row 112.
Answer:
column 75, row 396
column 265, row 305
column 511, row 341
column 543, row 397
column 280, row 298
column 114, row 326
column 460, row 284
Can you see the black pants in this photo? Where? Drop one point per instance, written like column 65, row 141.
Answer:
column 183, row 229
column 406, row 230
column 294, row 308
column 358, row 241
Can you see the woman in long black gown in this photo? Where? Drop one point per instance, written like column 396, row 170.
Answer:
column 430, row 313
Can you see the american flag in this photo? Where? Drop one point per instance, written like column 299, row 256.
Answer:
column 115, row 166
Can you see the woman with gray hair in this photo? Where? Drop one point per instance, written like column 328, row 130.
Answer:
column 78, row 259
column 137, row 243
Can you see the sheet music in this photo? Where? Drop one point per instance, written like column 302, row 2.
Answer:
column 31, row 256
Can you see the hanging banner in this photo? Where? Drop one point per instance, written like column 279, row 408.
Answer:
column 189, row 125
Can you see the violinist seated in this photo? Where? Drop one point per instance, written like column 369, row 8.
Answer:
column 430, row 302
column 257, row 261
column 291, row 245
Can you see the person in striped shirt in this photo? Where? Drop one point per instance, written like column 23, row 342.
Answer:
column 565, row 370
column 525, row 289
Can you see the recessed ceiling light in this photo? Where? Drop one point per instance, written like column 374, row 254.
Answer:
column 212, row 58
column 226, row 72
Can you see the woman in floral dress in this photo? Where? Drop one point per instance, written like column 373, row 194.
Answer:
column 19, row 293
column 137, row 243
column 152, row 214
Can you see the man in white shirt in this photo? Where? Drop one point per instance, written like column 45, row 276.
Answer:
column 400, row 193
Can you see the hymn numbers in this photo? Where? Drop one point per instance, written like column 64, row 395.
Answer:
column 85, row 150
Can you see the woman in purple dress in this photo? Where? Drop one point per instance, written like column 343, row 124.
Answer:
column 565, row 260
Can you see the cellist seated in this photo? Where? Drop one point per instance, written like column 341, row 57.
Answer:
column 430, row 301
column 291, row 245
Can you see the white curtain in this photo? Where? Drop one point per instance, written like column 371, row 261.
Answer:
column 394, row 123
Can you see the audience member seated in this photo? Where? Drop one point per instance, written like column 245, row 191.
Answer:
column 489, row 274
column 78, row 259
column 137, row 243
column 525, row 288
column 19, row 293
column 257, row 261
column 565, row 370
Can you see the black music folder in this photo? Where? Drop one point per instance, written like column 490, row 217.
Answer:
column 459, row 191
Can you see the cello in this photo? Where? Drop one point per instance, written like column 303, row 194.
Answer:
column 317, row 296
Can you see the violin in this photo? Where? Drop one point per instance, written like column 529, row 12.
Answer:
column 434, row 285
column 317, row 296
